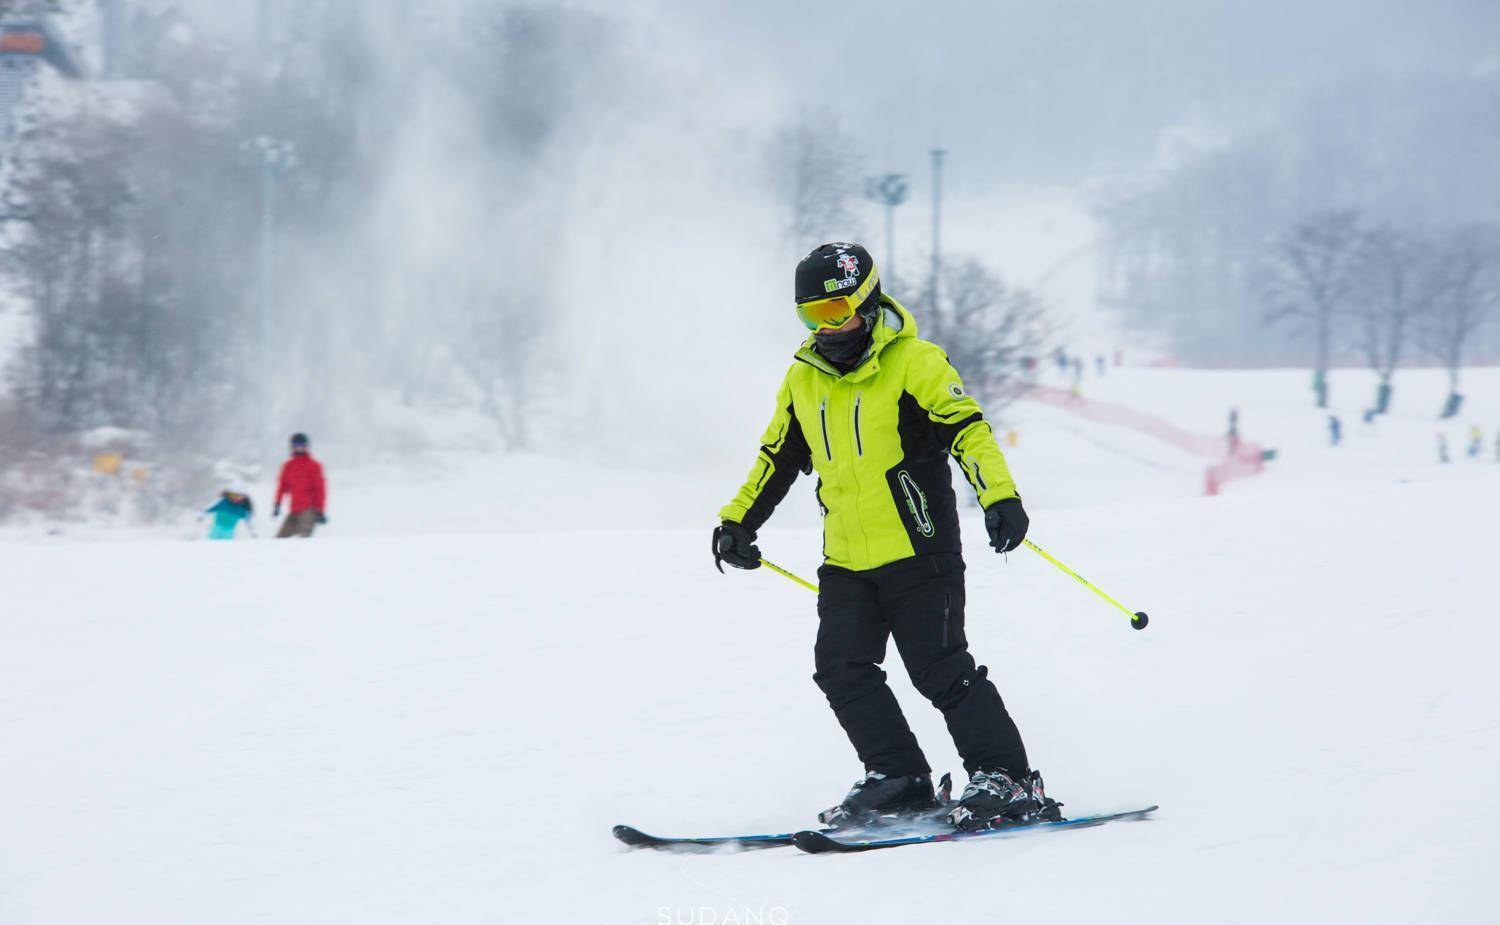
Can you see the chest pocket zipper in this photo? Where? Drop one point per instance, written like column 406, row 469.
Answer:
column 823, row 420
column 859, row 446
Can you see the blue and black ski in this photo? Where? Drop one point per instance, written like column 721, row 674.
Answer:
column 908, row 824
column 822, row 842
column 635, row 838
column 902, row 822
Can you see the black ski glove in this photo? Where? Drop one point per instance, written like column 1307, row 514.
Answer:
column 1006, row 522
column 735, row 543
column 322, row 518
column 276, row 511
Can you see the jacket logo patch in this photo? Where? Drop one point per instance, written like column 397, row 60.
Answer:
column 956, row 390
column 916, row 503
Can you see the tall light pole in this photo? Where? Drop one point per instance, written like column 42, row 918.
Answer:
column 937, row 198
column 274, row 157
column 890, row 191
column 262, row 25
column 112, row 25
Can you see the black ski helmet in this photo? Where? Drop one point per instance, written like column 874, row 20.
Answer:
column 299, row 440
column 838, row 269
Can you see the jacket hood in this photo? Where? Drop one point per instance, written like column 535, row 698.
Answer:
column 892, row 322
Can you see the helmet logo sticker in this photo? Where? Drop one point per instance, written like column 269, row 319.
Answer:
column 849, row 263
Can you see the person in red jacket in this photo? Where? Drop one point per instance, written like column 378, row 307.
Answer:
column 302, row 478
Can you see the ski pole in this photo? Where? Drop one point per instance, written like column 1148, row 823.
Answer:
column 785, row 574
column 1138, row 619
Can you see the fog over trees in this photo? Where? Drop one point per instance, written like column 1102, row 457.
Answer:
column 499, row 224
column 1341, row 211
column 142, row 214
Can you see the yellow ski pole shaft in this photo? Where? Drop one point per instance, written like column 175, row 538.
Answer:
column 1138, row 618
column 785, row 574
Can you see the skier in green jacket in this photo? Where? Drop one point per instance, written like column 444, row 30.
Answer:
column 877, row 413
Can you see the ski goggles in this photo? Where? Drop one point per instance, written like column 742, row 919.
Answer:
column 835, row 311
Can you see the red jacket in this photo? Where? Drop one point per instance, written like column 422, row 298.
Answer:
column 302, row 478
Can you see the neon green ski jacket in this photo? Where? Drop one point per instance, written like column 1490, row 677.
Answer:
column 879, row 438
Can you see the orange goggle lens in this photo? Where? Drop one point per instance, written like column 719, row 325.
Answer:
column 826, row 313
column 833, row 311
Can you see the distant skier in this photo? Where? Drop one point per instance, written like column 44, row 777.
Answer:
column 1234, row 430
column 302, row 479
column 1335, row 430
column 1099, row 364
column 877, row 412
column 1442, row 442
column 1476, row 441
column 232, row 509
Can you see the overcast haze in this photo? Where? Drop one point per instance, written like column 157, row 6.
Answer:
column 1047, row 92
column 575, row 220
column 1052, row 91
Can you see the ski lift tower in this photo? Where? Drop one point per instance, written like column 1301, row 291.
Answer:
column 26, row 43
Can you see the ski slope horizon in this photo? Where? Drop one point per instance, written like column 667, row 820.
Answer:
column 438, row 709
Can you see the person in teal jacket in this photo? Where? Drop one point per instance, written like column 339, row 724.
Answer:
column 231, row 508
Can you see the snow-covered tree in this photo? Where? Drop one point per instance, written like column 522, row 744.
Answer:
column 1310, row 274
column 1468, row 268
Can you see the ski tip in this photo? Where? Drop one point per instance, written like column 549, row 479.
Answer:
column 632, row 836
column 814, row 842
column 817, row 843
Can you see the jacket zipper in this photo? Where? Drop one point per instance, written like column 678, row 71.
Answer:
column 859, row 446
column 823, row 419
column 978, row 479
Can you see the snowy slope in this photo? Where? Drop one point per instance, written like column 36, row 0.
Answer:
column 370, row 727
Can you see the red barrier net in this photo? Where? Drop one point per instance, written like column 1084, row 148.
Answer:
column 1237, row 458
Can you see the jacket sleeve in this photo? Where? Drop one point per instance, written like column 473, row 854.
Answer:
column 783, row 454
column 281, row 487
column 959, row 424
column 319, row 488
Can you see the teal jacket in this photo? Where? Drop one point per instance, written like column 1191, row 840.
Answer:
column 227, row 517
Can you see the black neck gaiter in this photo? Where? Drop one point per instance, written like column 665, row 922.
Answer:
column 844, row 349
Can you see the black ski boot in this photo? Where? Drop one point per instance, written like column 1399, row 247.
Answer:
column 994, row 800
column 876, row 795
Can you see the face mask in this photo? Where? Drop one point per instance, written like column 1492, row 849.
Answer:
column 845, row 348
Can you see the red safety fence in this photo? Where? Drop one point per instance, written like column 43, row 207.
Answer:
column 1237, row 459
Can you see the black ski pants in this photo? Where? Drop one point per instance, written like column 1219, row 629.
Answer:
column 920, row 603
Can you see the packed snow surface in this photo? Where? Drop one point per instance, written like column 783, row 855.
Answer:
column 435, row 711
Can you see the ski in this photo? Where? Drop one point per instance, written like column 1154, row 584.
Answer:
column 919, row 823
column 635, row 838
column 821, row 842
column 907, row 824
